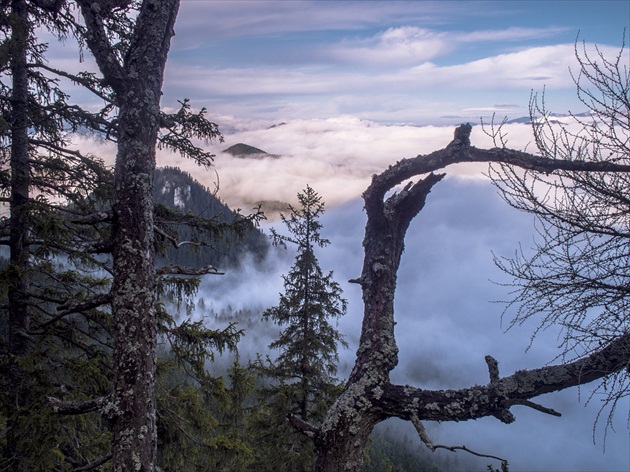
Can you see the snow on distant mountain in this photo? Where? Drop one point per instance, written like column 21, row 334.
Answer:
column 554, row 118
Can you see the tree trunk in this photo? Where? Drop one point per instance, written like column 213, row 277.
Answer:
column 18, row 275
column 137, row 84
column 133, row 292
column 341, row 442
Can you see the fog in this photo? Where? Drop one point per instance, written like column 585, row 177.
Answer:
column 338, row 156
column 447, row 321
column 446, row 311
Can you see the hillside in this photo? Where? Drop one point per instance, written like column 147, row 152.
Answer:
column 177, row 190
column 246, row 151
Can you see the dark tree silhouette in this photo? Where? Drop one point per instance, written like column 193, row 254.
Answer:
column 577, row 278
column 304, row 372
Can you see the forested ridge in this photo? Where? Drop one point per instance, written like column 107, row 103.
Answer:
column 177, row 190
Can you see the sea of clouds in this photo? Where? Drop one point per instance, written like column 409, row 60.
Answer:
column 447, row 313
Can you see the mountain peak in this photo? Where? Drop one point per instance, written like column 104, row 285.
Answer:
column 245, row 150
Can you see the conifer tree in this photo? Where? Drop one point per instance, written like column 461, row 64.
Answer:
column 303, row 374
column 53, row 340
column 57, row 289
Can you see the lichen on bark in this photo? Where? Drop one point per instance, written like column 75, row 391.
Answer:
column 369, row 397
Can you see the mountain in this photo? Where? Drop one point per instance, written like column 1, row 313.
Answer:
column 246, row 151
column 177, row 190
column 551, row 116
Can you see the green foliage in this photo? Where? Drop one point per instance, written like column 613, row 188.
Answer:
column 51, row 441
column 184, row 125
column 308, row 344
column 204, row 423
column 504, row 467
column 302, row 377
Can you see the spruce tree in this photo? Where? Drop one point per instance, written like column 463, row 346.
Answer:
column 303, row 374
column 56, row 290
column 52, row 336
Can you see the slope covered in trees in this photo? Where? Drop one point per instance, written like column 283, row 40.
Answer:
column 176, row 190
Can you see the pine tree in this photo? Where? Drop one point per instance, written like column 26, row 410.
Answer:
column 64, row 231
column 303, row 374
column 53, row 340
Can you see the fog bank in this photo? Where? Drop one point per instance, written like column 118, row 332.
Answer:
column 447, row 322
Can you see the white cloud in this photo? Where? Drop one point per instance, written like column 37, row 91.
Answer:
column 395, row 46
column 200, row 21
column 411, row 45
column 530, row 68
column 420, row 94
column 336, row 156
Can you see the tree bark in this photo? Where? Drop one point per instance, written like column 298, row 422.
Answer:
column 18, row 275
column 137, row 84
column 369, row 397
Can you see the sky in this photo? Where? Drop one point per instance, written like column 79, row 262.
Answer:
column 419, row 62
column 354, row 86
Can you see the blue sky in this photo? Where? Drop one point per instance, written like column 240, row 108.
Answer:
column 391, row 62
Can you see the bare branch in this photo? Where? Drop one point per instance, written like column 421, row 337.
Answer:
column 181, row 270
column 93, row 464
column 93, row 218
column 493, row 369
column 77, row 408
column 88, row 83
column 424, row 437
column 303, row 427
column 536, row 406
column 470, row 451
column 175, row 242
column 99, row 44
column 78, row 307
column 517, row 389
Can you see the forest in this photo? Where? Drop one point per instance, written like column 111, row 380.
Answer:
column 105, row 368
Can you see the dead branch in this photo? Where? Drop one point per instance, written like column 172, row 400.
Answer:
column 77, row 408
column 181, row 270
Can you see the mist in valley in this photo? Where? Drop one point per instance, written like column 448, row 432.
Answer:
column 448, row 312
column 449, row 293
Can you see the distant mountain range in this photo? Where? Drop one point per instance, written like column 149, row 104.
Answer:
column 528, row 120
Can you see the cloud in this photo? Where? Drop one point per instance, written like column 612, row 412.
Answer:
column 420, row 93
column 395, row 46
column 337, row 156
column 518, row 70
column 411, row 45
column 202, row 21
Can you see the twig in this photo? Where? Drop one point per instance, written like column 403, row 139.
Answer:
column 303, row 427
column 181, row 270
column 94, row 464
column 424, row 437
